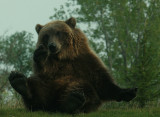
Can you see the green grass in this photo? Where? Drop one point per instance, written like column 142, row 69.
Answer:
column 146, row 112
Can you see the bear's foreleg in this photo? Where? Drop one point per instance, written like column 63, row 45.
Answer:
column 39, row 54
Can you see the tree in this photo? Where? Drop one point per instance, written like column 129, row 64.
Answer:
column 15, row 54
column 126, row 36
column 146, row 66
column 17, row 51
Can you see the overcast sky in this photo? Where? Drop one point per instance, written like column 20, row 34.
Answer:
column 18, row 15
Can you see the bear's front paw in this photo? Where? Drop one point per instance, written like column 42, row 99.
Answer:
column 39, row 53
column 18, row 82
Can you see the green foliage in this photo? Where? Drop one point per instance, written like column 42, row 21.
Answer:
column 15, row 54
column 125, row 34
column 17, row 51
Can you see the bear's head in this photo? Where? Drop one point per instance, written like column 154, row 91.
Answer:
column 62, row 39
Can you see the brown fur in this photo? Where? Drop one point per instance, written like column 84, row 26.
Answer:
column 72, row 79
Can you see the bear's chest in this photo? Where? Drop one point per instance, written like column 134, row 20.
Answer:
column 58, row 70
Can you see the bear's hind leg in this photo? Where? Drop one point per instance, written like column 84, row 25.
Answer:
column 108, row 90
column 18, row 82
column 126, row 94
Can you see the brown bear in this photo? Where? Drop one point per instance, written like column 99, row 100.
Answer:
column 68, row 76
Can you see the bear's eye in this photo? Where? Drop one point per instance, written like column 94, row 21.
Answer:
column 46, row 36
column 61, row 35
column 58, row 33
column 45, row 39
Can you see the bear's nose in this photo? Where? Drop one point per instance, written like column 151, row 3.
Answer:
column 52, row 47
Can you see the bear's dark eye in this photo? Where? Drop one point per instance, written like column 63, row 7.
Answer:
column 46, row 36
column 45, row 39
column 58, row 33
column 61, row 35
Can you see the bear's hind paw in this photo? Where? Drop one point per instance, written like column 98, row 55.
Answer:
column 127, row 94
column 18, row 82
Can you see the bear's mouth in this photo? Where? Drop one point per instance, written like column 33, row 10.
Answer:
column 55, row 53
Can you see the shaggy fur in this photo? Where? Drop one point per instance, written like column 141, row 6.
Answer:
column 68, row 76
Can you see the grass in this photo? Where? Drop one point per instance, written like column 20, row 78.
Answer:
column 134, row 112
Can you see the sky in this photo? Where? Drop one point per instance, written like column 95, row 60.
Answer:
column 19, row 15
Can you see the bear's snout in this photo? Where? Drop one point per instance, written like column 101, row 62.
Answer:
column 52, row 47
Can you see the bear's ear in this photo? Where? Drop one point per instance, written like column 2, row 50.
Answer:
column 71, row 22
column 38, row 28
